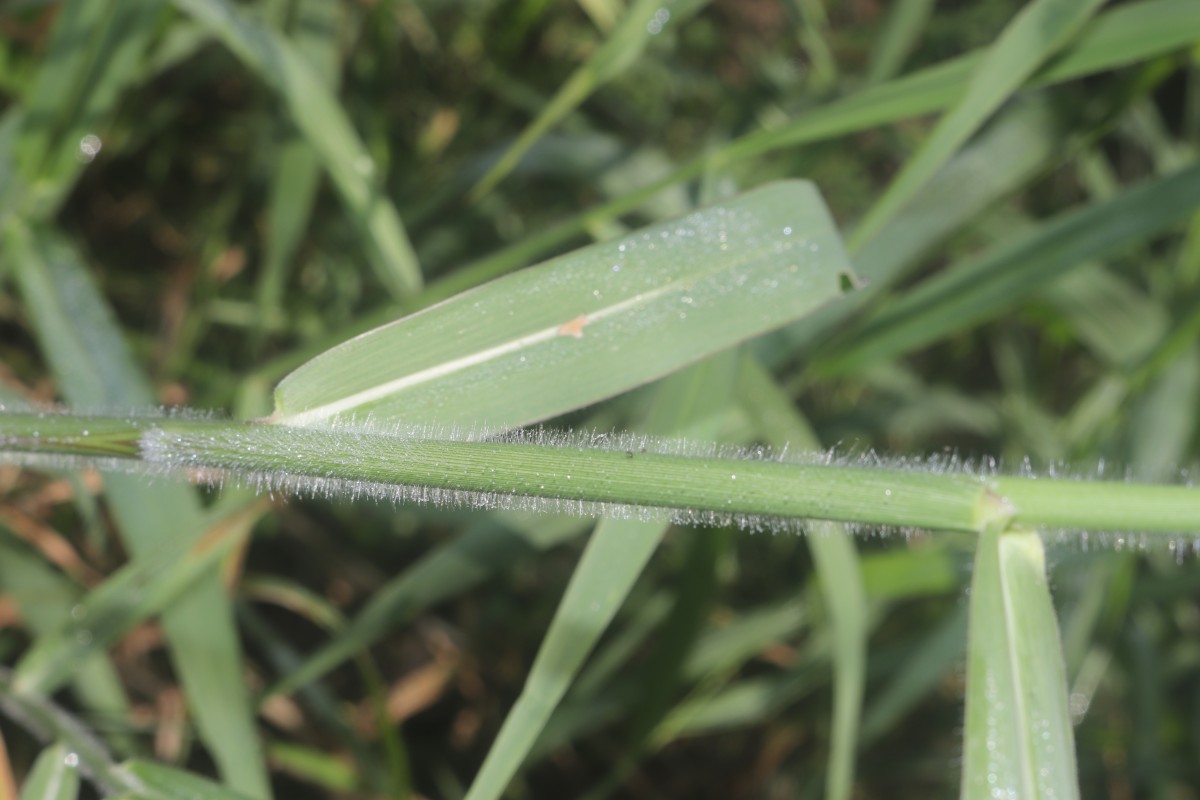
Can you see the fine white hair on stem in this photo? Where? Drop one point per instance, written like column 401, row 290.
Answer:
column 587, row 473
column 264, row 458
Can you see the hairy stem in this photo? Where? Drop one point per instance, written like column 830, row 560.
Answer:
column 593, row 475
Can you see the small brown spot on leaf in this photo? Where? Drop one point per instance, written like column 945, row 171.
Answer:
column 574, row 327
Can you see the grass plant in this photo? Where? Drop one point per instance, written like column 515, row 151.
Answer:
column 914, row 289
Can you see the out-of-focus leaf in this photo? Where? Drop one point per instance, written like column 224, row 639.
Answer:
column 644, row 20
column 1040, row 29
column 55, row 775
column 324, row 125
column 95, row 51
column 1128, row 33
column 145, row 586
column 93, row 365
column 972, row 291
column 160, row 782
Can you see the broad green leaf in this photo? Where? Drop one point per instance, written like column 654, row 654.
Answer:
column 687, row 405
column 93, row 365
column 324, row 124
column 1039, row 30
column 587, row 325
column 55, row 775
column 1005, row 159
column 1019, row 741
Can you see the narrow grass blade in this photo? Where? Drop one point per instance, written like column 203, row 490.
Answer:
column 1022, row 142
column 1164, row 419
column 10, row 131
column 587, row 325
column 328, row 771
column 395, row 770
column 601, row 695
column 644, row 20
column 160, row 782
column 1005, row 156
column 46, row 598
column 934, row 656
column 840, row 576
column 1113, row 317
column 482, row 550
column 51, row 723
column 55, row 775
column 661, row 678
column 324, row 125
column 1038, row 31
column 728, row 648
column 973, row 291
column 297, row 168
column 140, row 589
column 615, row 556
column 1018, row 740
column 94, row 53
column 747, row 702
column 906, row 21
column 93, row 365
column 322, row 706
column 1125, row 34
column 1122, row 35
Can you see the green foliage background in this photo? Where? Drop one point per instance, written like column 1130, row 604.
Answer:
column 276, row 177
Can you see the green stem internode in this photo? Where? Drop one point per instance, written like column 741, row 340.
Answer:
column 573, row 474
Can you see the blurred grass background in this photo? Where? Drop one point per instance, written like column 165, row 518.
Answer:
column 248, row 184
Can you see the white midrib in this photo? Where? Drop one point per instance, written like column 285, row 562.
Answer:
column 1013, row 632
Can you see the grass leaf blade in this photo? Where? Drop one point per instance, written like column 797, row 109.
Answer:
column 54, row 775
column 979, row 288
column 1039, row 30
column 587, row 325
column 1019, row 740
column 95, row 368
column 614, row 558
column 322, row 121
column 840, row 572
